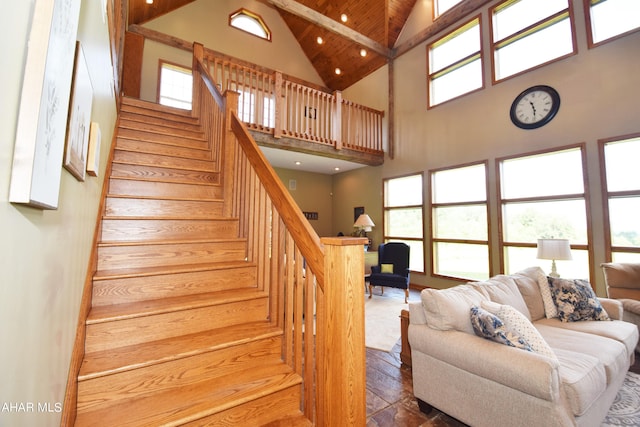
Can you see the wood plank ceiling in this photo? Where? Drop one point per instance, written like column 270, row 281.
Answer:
column 372, row 25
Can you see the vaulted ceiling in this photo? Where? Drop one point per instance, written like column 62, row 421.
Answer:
column 371, row 27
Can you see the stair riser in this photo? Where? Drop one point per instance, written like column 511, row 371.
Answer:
column 261, row 411
column 128, row 187
column 150, row 230
column 159, row 111
column 162, row 149
column 152, row 255
column 158, row 138
column 156, row 160
column 152, row 173
column 133, row 289
column 171, row 124
column 119, row 333
column 189, row 209
column 142, row 123
column 113, row 389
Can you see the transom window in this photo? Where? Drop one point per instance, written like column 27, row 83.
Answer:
column 529, row 33
column 608, row 19
column 455, row 64
column 403, row 216
column 176, row 86
column 460, row 222
column 542, row 196
column 622, row 190
column 441, row 6
column 251, row 23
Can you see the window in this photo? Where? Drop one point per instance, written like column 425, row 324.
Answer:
column 460, row 222
column 528, row 33
column 543, row 196
column 403, row 216
column 176, row 85
column 250, row 22
column 441, row 6
column 455, row 64
column 622, row 194
column 607, row 19
column 246, row 106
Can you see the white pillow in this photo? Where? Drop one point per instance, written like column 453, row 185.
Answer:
column 504, row 290
column 448, row 309
column 516, row 321
column 550, row 309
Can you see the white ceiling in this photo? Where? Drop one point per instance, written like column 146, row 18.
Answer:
column 287, row 159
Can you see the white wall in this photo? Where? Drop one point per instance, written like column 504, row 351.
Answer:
column 599, row 90
column 44, row 254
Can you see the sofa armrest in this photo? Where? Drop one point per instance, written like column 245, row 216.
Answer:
column 375, row 269
column 528, row 372
column 613, row 308
column 416, row 314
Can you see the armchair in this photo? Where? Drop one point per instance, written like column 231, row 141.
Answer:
column 623, row 283
column 392, row 269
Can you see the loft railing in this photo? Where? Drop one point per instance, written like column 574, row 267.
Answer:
column 316, row 287
column 282, row 106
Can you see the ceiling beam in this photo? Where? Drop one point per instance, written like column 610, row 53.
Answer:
column 321, row 20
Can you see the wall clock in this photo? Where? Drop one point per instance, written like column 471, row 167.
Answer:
column 535, row 107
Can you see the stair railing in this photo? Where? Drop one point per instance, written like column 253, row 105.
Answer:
column 315, row 286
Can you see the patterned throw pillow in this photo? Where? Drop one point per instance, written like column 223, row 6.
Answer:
column 488, row 325
column 550, row 309
column 518, row 322
column 386, row 268
column 576, row 300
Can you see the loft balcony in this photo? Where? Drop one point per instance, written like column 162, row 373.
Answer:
column 280, row 111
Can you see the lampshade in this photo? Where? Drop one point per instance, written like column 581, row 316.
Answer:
column 364, row 222
column 554, row 249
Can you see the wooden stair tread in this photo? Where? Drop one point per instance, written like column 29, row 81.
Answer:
column 172, row 242
column 195, row 199
column 142, row 125
column 153, row 106
column 108, row 313
column 154, row 271
column 121, row 359
column 174, row 407
column 160, row 181
column 129, row 157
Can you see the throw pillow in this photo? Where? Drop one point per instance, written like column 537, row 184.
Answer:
column 447, row 309
column 489, row 326
column 386, row 268
column 518, row 322
column 576, row 300
column 550, row 309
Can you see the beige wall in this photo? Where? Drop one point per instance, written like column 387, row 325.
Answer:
column 44, row 254
column 599, row 90
column 207, row 22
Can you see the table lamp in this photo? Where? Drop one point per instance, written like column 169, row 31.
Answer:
column 554, row 249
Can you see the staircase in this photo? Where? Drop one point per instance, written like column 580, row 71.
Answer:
column 179, row 331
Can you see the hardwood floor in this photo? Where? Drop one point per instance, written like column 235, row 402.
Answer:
column 390, row 400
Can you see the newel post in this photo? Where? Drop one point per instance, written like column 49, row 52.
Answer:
column 196, row 94
column 343, row 351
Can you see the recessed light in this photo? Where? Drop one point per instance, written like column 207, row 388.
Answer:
column 298, row 163
column 149, row 1
column 336, row 169
column 343, row 17
column 338, row 71
column 319, row 40
column 363, row 52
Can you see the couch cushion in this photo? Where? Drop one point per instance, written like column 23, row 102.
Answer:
column 576, row 300
column 488, row 325
column 527, row 282
column 611, row 353
column 623, row 332
column 516, row 321
column 503, row 290
column 447, row 309
column 583, row 379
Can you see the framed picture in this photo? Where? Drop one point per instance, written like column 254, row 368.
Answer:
column 44, row 104
column 78, row 127
column 357, row 212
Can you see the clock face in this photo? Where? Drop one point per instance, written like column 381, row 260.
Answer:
column 535, row 107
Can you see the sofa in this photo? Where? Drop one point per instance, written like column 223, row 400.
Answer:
column 623, row 284
column 540, row 364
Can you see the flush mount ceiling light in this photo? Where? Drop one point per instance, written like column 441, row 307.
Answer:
column 343, row 17
column 363, row 52
column 338, row 71
column 319, row 40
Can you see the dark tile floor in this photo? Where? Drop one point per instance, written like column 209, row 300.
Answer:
column 390, row 400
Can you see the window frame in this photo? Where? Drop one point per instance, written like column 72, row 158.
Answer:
column 431, row 206
column 387, row 238
column 589, row 27
column 436, row 15
column 607, row 195
column 585, row 195
column 479, row 55
column 524, row 32
column 255, row 17
column 174, row 65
